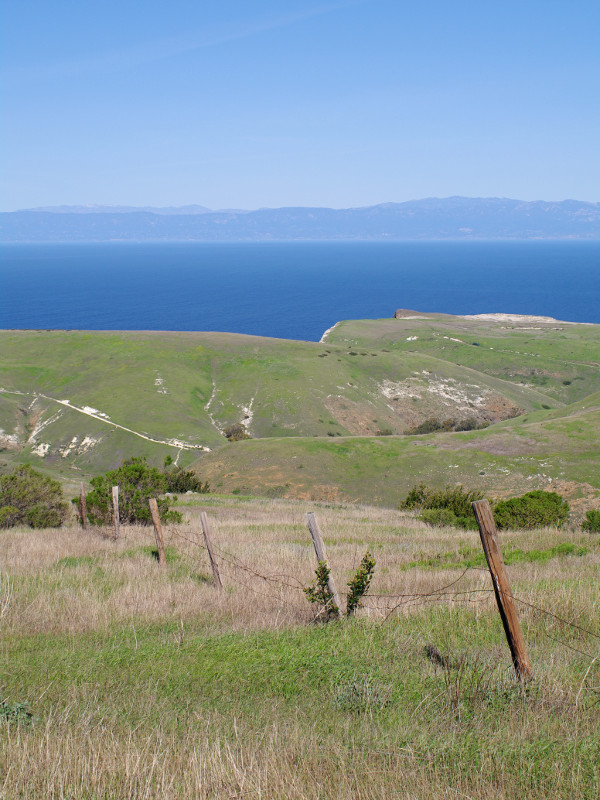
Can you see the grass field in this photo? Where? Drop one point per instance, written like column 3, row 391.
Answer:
column 145, row 683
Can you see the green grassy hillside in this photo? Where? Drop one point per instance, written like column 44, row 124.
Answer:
column 76, row 403
column 539, row 450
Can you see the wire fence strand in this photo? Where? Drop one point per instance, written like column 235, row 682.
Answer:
column 234, row 565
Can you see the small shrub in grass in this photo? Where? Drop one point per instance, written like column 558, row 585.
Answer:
column 137, row 482
column 537, row 509
column 359, row 585
column 362, row 695
column 15, row 713
column 591, row 522
column 29, row 498
column 183, row 480
column 236, row 432
column 439, row 516
column 453, row 500
column 319, row 594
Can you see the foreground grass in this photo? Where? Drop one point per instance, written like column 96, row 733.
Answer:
column 148, row 684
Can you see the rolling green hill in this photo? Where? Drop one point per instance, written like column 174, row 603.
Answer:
column 76, row 403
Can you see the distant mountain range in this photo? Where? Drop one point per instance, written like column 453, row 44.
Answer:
column 432, row 218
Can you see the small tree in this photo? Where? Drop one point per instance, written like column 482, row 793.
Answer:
column 29, row 498
column 137, row 483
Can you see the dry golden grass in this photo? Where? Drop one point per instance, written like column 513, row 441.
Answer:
column 75, row 581
column 158, row 686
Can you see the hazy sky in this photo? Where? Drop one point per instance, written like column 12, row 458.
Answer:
column 298, row 102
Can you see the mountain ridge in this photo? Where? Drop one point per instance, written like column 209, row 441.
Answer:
column 449, row 218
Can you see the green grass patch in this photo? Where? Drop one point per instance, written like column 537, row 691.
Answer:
column 470, row 557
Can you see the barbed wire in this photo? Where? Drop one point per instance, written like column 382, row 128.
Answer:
column 405, row 600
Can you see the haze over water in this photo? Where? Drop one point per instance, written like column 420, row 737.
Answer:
column 292, row 290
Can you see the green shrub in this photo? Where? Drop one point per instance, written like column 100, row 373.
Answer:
column 439, row 516
column 430, row 426
column 319, row 594
column 16, row 713
column 359, row 585
column 591, row 522
column 137, row 483
column 29, row 498
column 236, row 432
column 535, row 509
column 453, row 499
column 182, row 480
column 9, row 516
column 433, row 424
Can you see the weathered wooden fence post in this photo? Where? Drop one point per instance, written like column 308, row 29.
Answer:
column 160, row 542
column 82, row 506
column 315, row 532
column 115, row 499
column 209, row 547
column 504, row 596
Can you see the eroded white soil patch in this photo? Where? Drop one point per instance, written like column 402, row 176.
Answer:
column 159, row 382
column 461, row 396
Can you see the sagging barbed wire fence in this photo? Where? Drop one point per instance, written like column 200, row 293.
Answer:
column 228, row 568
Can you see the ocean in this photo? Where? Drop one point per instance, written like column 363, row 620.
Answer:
column 292, row 290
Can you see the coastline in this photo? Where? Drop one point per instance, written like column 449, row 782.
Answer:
column 327, row 332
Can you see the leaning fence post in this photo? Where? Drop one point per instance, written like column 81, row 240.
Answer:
column 504, row 597
column 82, row 506
column 115, row 499
column 209, row 547
column 315, row 532
column 160, row 542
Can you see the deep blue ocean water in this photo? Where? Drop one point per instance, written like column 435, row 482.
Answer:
column 292, row 290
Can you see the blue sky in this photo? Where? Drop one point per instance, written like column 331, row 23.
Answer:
column 246, row 105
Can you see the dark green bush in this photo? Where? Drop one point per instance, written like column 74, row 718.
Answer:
column 454, row 499
column 29, row 498
column 591, row 522
column 182, row 480
column 137, row 483
column 433, row 424
column 537, row 509
column 319, row 594
column 16, row 713
column 430, row 426
column 236, row 432
column 358, row 586
column 439, row 516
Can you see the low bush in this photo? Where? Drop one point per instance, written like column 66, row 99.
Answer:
column 182, row 480
column 29, row 498
column 358, row 586
column 454, row 501
column 537, row 509
column 236, row 432
column 137, row 483
column 318, row 593
column 591, row 522
column 439, row 516
column 433, row 424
